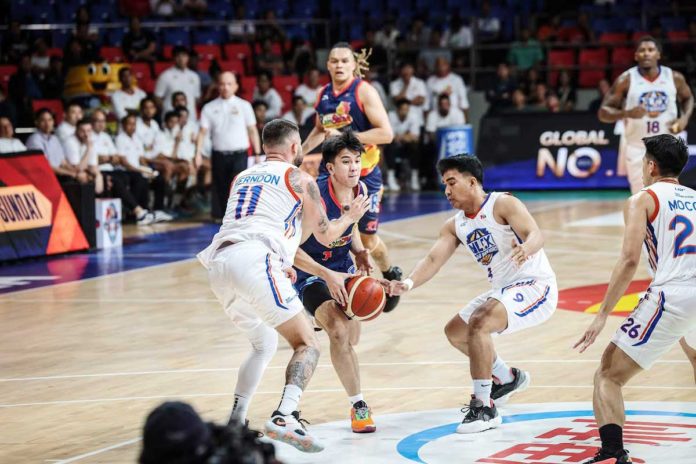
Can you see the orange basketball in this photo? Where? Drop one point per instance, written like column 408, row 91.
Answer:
column 366, row 298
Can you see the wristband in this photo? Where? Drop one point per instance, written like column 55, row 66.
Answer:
column 408, row 283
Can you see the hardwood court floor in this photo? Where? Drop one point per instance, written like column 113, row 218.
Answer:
column 84, row 362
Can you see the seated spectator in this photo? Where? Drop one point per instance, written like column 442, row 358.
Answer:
column 548, row 31
column 446, row 82
column 147, row 127
column 372, row 76
column 602, row 89
column 538, row 98
column 269, row 29
column 433, row 52
column 499, row 95
column 265, row 92
column 459, row 34
column 240, row 29
column 88, row 40
column 170, row 161
column 15, row 42
column 40, row 60
column 580, row 33
column 178, row 78
column 404, row 148
column 553, row 104
column 260, row 111
column 488, row 25
column 24, row 87
column 530, row 81
column 299, row 114
column 45, row 140
column 165, row 8
column 525, row 52
column 310, row 90
column 411, row 88
column 387, row 36
column 268, row 60
column 444, row 115
column 8, row 143
column 189, row 132
column 139, row 44
column 519, row 103
column 418, row 35
column 73, row 114
column 566, row 91
column 53, row 82
column 127, row 99
column 79, row 151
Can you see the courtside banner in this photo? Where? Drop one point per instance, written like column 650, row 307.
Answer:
column 549, row 151
column 35, row 216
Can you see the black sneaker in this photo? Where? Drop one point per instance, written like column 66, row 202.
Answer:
column 602, row 457
column 478, row 418
column 393, row 273
column 290, row 429
column 501, row 393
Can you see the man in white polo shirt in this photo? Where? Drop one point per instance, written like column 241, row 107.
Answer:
column 73, row 114
column 232, row 124
column 127, row 98
column 179, row 78
column 449, row 83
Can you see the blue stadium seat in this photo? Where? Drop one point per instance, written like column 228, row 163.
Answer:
column 673, row 23
column 633, row 23
column 211, row 36
column 176, row 36
column 102, row 13
column 356, row 31
column 116, row 36
column 59, row 38
column 298, row 32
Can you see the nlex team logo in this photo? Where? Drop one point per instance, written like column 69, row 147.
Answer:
column 587, row 299
column 482, row 245
column 112, row 222
column 654, row 101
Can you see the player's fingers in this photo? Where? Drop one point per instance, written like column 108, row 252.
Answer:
column 344, row 295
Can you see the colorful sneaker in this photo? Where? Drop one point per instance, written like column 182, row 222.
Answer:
column 602, row 457
column 479, row 418
column 502, row 393
column 361, row 418
column 291, row 430
column 393, row 273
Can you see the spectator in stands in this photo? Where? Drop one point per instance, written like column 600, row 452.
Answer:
column 74, row 54
column 268, row 60
column 418, row 34
column 79, row 151
column 310, row 90
column 553, row 104
column 104, row 148
column 499, row 95
column 45, row 140
column 171, row 161
column 525, row 52
column 265, row 92
column 24, row 87
column 8, row 143
column 260, row 108
column 386, row 37
column 519, row 103
column 446, row 114
column 299, row 114
column 139, row 44
column 15, row 42
column 203, row 73
column 165, row 8
column 379, row 58
column 580, row 33
column 488, row 25
column 73, row 114
column 301, row 56
column 40, row 59
column 189, row 131
column 538, row 98
column 127, row 99
column 566, row 91
column 87, row 39
column 240, row 29
column 530, row 81
column 548, row 31
column 232, row 125
column 459, row 34
column 147, row 127
column 53, row 82
column 179, row 99
column 270, row 29
column 178, row 78
column 449, row 83
column 411, row 88
column 434, row 51
column 602, row 89
column 404, row 148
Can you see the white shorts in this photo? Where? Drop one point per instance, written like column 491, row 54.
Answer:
column 690, row 339
column 633, row 157
column 248, row 279
column 662, row 317
column 527, row 302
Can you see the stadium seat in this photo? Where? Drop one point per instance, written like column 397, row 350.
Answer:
column 613, row 38
column 55, row 51
column 678, row 36
column 160, row 67
column 112, row 54
column 276, row 47
column 102, row 12
column 240, row 52
column 176, row 36
column 209, row 36
column 673, row 23
column 6, row 71
column 208, row 52
column 142, row 73
column 55, row 105
column 286, row 85
column 246, row 90
column 234, row 66
column 560, row 59
column 622, row 58
column 592, row 58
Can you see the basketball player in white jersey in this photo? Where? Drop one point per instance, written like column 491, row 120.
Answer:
column 650, row 92
column 661, row 217
column 249, row 262
column 506, row 242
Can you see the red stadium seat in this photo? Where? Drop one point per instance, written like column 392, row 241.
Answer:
column 622, row 58
column 613, row 38
column 55, row 51
column 638, row 34
column 142, row 73
column 160, row 67
column 357, row 44
column 677, row 36
column 6, row 71
column 112, row 54
column 208, row 52
column 246, row 90
column 595, row 60
column 55, row 105
column 324, row 79
column 167, row 51
column 234, row 66
column 560, row 59
column 240, row 52
column 286, row 85
column 276, row 48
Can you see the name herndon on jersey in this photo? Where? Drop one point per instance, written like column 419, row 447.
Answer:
column 259, row 178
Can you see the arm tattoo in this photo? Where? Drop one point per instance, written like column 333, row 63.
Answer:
column 301, row 366
column 316, row 198
column 296, row 180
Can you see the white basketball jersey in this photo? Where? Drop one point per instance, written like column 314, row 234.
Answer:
column 490, row 244
column 659, row 97
column 670, row 243
column 262, row 206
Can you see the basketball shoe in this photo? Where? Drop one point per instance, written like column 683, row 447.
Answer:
column 602, row 457
column 393, row 273
column 478, row 418
column 502, row 393
column 361, row 418
column 291, row 430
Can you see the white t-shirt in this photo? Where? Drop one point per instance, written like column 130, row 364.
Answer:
column 104, row 146
column 130, row 147
column 147, row 135
column 11, row 145
column 435, row 121
column 164, row 145
column 175, row 80
column 273, row 100
column 187, row 147
column 227, row 121
column 458, row 96
column 309, row 94
column 410, row 125
column 65, row 130
column 124, row 101
column 307, row 113
column 416, row 88
column 50, row 145
column 75, row 150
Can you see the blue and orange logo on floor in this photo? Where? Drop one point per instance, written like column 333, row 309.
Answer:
column 588, row 298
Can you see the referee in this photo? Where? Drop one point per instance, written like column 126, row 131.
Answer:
column 232, row 126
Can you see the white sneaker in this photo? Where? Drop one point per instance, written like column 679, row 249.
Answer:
column 415, row 182
column 146, row 219
column 392, row 184
column 290, row 430
column 161, row 216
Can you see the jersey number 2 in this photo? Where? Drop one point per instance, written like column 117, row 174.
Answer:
column 679, row 247
column 253, row 201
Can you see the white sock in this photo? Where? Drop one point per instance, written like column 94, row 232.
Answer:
column 290, row 399
column 482, row 390
column 240, row 408
column 502, row 373
column 355, row 399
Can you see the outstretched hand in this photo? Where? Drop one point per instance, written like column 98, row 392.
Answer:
column 358, row 207
column 591, row 333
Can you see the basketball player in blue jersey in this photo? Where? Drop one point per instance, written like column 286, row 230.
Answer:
column 348, row 102
column 506, row 242
column 322, row 271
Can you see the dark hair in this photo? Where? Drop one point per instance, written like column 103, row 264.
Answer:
column 72, row 103
column 176, row 94
column 334, row 145
column 443, row 96
column 256, row 103
column 83, row 122
column 180, row 49
column 402, row 101
column 669, row 152
column 277, row 131
column 40, row 112
column 266, row 74
column 298, row 97
column 649, row 38
column 147, row 99
column 170, row 114
column 181, row 108
column 122, row 71
column 464, row 163
column 127, row 117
